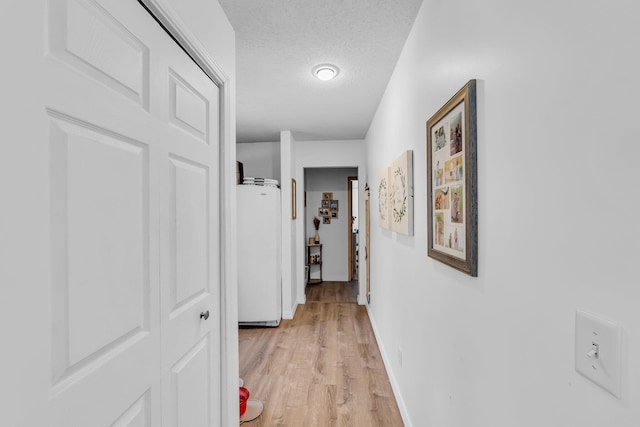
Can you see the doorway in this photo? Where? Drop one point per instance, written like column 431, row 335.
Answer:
column 352, row 229
column 367, row 241
column 328, row 199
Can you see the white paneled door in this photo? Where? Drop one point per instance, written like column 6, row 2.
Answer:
column 189, row 242
column 134, row 226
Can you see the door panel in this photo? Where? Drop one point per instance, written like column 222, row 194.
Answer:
column 133, row 156
column 189, row 242
column 189, row 108
column 93, row 41
column 100, row 244
column 104, row 193
column 190, row 387
column 137, row 415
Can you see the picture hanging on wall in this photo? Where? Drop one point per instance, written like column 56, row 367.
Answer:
column 452, row 187
column 401, row 194
column 383, row 199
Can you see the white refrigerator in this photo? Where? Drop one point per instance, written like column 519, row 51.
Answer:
column 259, row 255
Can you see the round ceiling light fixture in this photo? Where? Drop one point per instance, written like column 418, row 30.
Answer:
column 325, row 72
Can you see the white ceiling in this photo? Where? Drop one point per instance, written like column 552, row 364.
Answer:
column 278, row 42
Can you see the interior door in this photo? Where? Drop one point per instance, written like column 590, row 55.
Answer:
column 189, row 241
column 104, row 193
column 367, row 244
column 133, row 169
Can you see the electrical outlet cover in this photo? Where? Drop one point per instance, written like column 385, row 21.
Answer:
column 603, row 368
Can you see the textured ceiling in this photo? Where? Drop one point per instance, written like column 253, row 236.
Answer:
column 278, row 42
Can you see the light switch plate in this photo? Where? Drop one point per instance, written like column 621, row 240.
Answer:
column 595, row 333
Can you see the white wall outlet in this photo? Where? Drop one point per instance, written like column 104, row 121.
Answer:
column 598, row 351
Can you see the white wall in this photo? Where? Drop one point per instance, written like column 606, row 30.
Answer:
column 557, row 172
column 334, row 236
column 289, row 229
column 325, row 154
column 260, row 159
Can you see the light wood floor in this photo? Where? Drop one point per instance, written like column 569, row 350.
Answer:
column 323, row 368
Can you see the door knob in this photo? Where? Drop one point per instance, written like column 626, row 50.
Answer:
column 204, row 314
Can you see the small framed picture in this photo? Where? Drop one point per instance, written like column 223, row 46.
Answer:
column 324, row 212
column 333, row 205
column 326, row 220
column 334, row 214
column 327, row 196
column 325, row 203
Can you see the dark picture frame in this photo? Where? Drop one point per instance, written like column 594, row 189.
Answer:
column 452, row 182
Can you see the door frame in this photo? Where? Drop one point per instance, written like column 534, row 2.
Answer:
column 164, row 14
column 367, row 241
column 350, row 226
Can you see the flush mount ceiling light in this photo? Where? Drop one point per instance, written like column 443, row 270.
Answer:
column 325, row 72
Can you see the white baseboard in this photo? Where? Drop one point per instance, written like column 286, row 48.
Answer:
column 288, row 314
column 392, row 379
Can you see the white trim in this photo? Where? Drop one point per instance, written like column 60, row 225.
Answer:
column 168, row 18
column 392, row 379
column 288, row 314
column 362, row 300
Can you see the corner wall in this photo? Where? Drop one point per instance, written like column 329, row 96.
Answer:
column 557, row 162
column 289, row 229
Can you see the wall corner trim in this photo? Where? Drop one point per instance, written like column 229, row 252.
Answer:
column 288, row 314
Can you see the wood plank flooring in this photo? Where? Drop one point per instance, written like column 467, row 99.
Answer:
column 322, row 368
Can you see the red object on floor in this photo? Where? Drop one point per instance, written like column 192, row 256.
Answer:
column 244, row 396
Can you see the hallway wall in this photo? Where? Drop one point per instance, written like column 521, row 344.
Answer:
column 260, row 159
column 557, row 99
